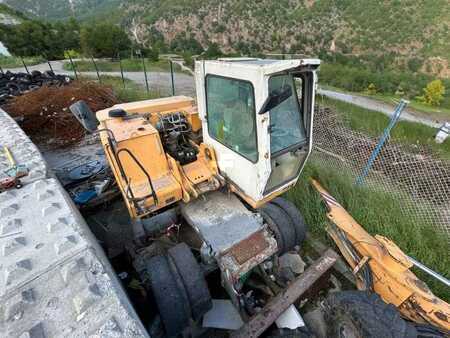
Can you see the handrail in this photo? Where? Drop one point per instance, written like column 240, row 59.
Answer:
column 155, row 198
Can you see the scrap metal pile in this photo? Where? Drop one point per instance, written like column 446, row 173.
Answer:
column 16, row 84
column 44, row 113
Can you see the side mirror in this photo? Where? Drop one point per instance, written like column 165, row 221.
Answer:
column 85, row 116
column 275, row 98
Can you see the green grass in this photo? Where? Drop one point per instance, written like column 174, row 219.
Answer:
column 15, row 62
column 379, row 213
column 131, row 92
column 129, row 65
column 373, row 123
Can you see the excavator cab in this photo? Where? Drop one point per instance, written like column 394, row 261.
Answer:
column 213, row 169
column 257, row 116
column 250, row 131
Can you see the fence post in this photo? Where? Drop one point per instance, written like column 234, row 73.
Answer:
column 171, row 76
column 121, row 69
column 394, row 119
column 1, row 70
column 96, row 69
column 145, row 73
column 50, row 66
column 26, row 68
column 73, row 67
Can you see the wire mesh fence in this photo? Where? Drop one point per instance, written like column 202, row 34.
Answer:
column 411, row 174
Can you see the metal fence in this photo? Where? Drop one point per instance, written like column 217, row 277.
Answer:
column 172, row 79
column 411, row 174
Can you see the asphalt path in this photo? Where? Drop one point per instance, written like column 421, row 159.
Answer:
column 185, row 85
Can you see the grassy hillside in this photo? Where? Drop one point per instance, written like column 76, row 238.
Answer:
column 64, row 9
column 403, row 35
column 9, row 15
column 409, row 35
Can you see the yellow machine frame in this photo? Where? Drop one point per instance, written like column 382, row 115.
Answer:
column 392, row 277
column 149, row 178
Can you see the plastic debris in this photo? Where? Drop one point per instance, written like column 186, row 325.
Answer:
column 223, row 315
column 290, row 319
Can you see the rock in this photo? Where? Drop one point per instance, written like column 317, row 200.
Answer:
column 293, row 261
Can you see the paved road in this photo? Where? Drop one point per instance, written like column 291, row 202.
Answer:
column 385, row 108
column 184, row 85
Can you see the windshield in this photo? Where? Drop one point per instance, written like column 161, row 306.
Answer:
column 286, row 121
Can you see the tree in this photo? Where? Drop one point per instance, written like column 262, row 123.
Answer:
column 104, row 40
column 33, row 38
column 37, row 38
column 433, row 93
column 213, row 51
column 151, row 53
column 69, row 34
column 182, row 43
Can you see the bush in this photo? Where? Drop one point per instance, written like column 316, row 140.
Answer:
column 31, row 38
column 151, row 53
column 71, row 54
column 188, row 60
column 371, row 89
column 104, row 40
column 433, row 93
column 213, row 51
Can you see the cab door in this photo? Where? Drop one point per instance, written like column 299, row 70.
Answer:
column 228, row 108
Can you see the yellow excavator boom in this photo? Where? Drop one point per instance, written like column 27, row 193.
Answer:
column 389, row 268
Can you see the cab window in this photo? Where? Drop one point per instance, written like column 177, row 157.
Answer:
column 230, row 105
column 286, row 121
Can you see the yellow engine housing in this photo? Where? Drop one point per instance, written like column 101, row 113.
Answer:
column 148, row 177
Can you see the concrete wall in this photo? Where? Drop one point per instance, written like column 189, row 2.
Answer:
column 55, row 280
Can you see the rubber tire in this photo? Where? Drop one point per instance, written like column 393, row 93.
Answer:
column 193, row 279
column 284, row 225
column 368, row 314
column 275, row 230
column 297, row 218
column 288, row 333
column 171, row 301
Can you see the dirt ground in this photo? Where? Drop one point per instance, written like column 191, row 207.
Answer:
column 45, row 116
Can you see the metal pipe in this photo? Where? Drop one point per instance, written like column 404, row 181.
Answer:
column 171, row 75
column 96, row 69
column 145, row 73
column 50, row 66
column 395, row 117
column 121, row 70
column 73, row 67
column 23, row 62
column 429, row 271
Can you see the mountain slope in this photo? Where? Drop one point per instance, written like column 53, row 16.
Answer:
column 63, row 9
column 9, row 16
column 411, row 35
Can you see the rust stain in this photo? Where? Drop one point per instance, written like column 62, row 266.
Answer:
column 249, row 248
column 441, row 316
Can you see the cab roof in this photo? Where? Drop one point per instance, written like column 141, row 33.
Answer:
column 267, row 66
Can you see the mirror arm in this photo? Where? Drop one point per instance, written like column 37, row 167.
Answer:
column 264, row 109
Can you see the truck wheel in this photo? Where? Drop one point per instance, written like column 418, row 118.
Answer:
column 360, row 314
column 170, row 297
column 18, row 184
column 297, row 219
column 288, row 333
column 281, row 224
column 193, row 279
